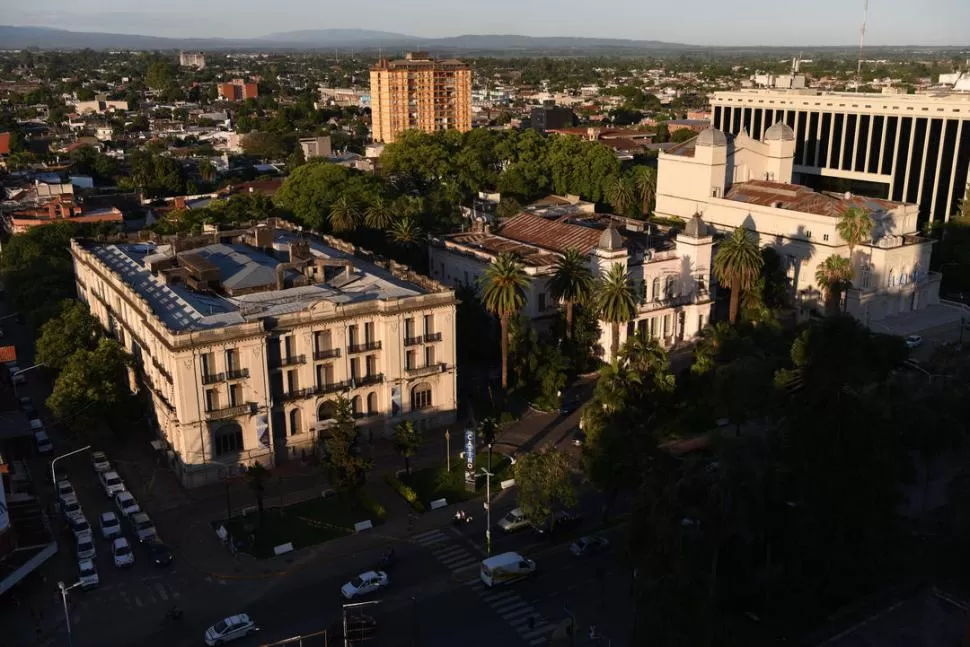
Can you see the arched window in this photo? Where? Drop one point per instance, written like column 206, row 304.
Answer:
column 326, row 411
column 892, row 278
column 296, row 422
column 228, row 439
column 355, row 405
column 903, row 277
column 670, row 287
column 866, row 279
column 656, row 288
column 372, row 403
column 421, row 396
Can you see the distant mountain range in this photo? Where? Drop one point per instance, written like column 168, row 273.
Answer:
column 324, row 39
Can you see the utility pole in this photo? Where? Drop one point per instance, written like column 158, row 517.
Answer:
column 448, row 448
column 488, row 508
column 67, row 615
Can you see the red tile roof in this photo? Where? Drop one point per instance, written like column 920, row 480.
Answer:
column 4, row 143
column 795, row 197
column 8, row 353
column 550, row 234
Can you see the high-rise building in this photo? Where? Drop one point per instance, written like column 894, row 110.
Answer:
column 419, row 93
column 912, row 148
column 192, row 59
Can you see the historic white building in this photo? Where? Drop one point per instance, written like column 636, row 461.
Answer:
column 740, row 181
column 670, row 274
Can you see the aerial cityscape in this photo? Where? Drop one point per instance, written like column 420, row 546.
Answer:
column 524, row 325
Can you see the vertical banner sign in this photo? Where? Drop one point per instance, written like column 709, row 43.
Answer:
column 395, row 401
column 470, row 460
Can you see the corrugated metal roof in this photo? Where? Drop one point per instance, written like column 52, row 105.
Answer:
column 554, row 235
column 795, row 197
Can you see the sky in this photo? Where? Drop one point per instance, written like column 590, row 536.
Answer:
column 698, row 22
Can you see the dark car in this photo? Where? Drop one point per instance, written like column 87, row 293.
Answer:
column 159, row 553
column 564, row 520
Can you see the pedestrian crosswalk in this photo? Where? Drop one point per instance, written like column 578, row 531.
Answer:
column 454, row 557
column 130, row 598
column 513, row 609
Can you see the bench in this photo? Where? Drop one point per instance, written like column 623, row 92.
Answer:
column 507, row 484
column 247, row 510
column 438, row 503
column 282, row 549
column 363, row 525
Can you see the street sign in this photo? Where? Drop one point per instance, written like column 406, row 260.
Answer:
column 470, row 460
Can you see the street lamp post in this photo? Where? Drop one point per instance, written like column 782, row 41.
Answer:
column 53, row 462
column 448, row 449
column 67, row 616
column 13, row 378
column 488, row 509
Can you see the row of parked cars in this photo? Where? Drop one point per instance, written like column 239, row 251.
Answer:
column 110, row 524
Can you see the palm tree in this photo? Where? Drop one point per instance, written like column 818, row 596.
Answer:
column 207, row 171
column 854, row 226
column 378, row 214
column 833, row 277
column 737, row 266
column 343, row 214
column 646, row 356
column 621, row 195
column 645, row 180
column 405, row 232
column 503, row 294
column 258, row 475
column 407, row 440
column 616, row 302
column 571, row 283
column 614, row 387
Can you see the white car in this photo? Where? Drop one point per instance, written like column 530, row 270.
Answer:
column 229, row 629
column 80, row 526
column 514, row 520
column 87, row 574
column 100, row 462
column 143, row 527
column 913, row 341
column 110, row 525
column 126, row 503
column 64, row 490
column 111, row 482
column 85, row 546
column 71, row 508
column 121, row 553
column 364, row 583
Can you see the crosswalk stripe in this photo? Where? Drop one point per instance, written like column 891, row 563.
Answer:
column 473, row 582
column 464, row 560
column 522, row 613
column 449, row 550
column 508, row 605
column 538, row 641
column 494, row 596
column 430, row 536
column 538, row 631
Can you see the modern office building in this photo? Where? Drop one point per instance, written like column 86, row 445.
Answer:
column 192, row 59
column 738, row 181
column 912, row 148
column 419, row 93
column 670, row 273
column 245, row 339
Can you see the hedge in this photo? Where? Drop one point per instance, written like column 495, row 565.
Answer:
column 405, row 491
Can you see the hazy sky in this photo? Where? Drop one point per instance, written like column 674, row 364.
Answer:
column 700, row 22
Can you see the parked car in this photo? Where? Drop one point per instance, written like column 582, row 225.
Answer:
column 41, row 440
column 27, row 406
column 100, row 462
column 364, row 584
column 561, row 520
column 159, row 553
column 514, row 520
column 71, row 508
column 142, row 527
column 110, row 525
column 589, row 545
column 64, row 490
column 85, row 546
column 80, row 526
column 121, row 553
column 230, row 628
column 125, row 501
column 111, row 482
column 87, row 574
column 914, row 341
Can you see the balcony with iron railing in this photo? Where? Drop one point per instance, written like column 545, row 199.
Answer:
column 326, row 353
column 237, row 374
column 247, row 408
column 432, row 337
column 428, row 369
column 368, row 380
column 292, row 360
column 363, row 348
column 413, row 341
column 213, row 378
column 331, row 387
column 298, row 394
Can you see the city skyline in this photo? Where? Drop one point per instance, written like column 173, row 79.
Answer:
column 831, row 23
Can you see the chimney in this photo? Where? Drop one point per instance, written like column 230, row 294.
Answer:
column 180, row 202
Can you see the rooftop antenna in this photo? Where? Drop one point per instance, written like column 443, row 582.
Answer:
column 862, row 40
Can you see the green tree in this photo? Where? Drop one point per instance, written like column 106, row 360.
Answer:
column 91, row 388
column 571, row 283
column 737, row 266
column 405, row 232
column 854, row 227
column 834, row 276
column 70, row 330
column 207, row 171
column 258, row 476
column 407, row 440
column 662, row 133
column 616, row 302
column 645, row 356
column 310, row 191
column 160, row 75
column 645, row 180
column 345, row 467
column 379, row 213
column 682, row 135
column 503, row 294
column 264, row 145
column 343, row 214
column 621, row 194
column 543, row 482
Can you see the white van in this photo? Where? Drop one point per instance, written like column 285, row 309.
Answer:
column 43, row 442
column 506, row 567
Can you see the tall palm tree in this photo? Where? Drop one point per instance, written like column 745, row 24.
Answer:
column 613, row 388
column 737, row 266
column 833, row 276
column 645, row 180
column 854, row 226
column 621, row 195
column 616, row 302
column 405, row 232
column 503, row 294
column 343, row 214
column 571, row 283
column 207, row 171
column 645, row 356
column 379, row 214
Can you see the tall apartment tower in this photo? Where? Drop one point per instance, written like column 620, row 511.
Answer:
column 192, row 59
column 903, row 147
column 419, row 93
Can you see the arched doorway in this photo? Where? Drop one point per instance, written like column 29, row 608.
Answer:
column 372, row 403
column 296, row 422
column 421, row 397
column 326, row 410
column 227, row 439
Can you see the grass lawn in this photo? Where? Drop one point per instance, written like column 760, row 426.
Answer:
column 437, row 482
column 306, row 523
